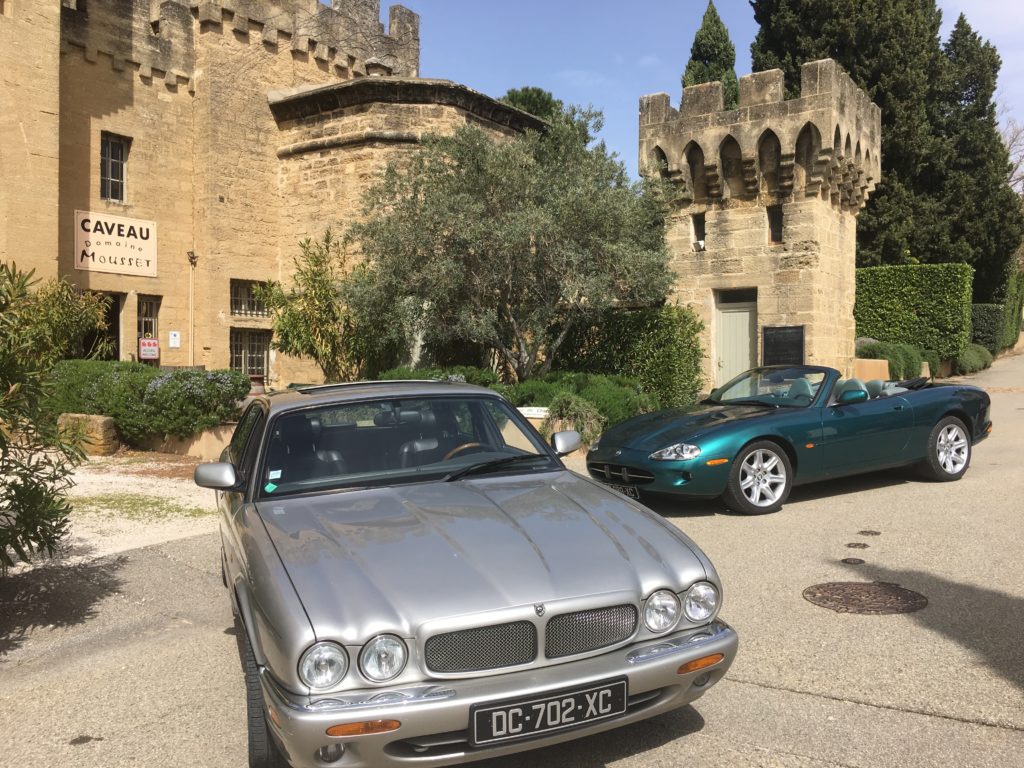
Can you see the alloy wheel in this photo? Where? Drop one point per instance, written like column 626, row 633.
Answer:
column 762, row 477
column 952, row 449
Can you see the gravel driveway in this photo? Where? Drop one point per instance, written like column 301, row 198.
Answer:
column 122, row 652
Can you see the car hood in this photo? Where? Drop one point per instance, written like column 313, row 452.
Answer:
column 390, row 559
column 652, row 431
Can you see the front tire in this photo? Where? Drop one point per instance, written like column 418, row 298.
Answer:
column 948, row 453
column 263, row 751
column 760, row 479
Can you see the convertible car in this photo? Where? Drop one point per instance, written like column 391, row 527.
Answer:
column 771, row 428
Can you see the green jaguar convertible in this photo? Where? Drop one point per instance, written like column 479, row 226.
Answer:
column 771, row 428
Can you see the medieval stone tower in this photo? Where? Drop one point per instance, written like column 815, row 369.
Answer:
column 764, row 212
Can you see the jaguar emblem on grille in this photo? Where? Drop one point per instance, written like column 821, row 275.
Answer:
column 540, row 609
column 618, row 453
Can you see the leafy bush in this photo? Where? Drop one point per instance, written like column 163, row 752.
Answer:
column 904, row 359
column 569, row 411
column 932, row 358
column 974, row 358
column 535, row 392
column 481, row 377
column 987, row 321
column 1014, row 309
column 658, row 347
column 142, row 400
column 182, row 403
column 926, row 305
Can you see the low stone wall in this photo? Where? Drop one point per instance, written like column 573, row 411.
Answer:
column 99, row 433
column 207, row 445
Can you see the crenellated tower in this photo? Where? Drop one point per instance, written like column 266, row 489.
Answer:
column 764, row 205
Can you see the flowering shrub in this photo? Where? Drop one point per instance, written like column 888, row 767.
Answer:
column 182, row 403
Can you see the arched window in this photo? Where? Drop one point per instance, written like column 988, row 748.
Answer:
column 731, row 164
column 659, row 163
column 695, row 164
column 769, row 156
column 808, row 145
column 837, row 145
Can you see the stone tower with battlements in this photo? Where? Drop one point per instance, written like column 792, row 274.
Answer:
column 764, row 206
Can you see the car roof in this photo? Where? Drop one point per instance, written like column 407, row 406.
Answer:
column 328, row 394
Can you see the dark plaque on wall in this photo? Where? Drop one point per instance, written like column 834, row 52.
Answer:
column 782, row 345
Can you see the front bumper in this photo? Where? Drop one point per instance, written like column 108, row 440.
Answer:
column 693, row 477
column 434, row 718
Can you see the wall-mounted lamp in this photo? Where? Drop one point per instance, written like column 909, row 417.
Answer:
column 192, row 258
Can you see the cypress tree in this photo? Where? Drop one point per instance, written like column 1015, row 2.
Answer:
column 713, row 58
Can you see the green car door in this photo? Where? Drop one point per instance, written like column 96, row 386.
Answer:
column 862, row 436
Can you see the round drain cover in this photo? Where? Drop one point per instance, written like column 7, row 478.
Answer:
column 870, row 533
column 857, row 545
column 852, row 561
column 875, row 599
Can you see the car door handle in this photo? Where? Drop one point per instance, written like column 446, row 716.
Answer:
column 897, row 407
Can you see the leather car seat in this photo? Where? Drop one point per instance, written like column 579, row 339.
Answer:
column 875, row 388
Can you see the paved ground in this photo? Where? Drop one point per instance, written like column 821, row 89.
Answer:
column 130, row 660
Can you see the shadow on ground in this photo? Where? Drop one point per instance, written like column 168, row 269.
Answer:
column 611, row 746
column 983, row 621
column 53, row 595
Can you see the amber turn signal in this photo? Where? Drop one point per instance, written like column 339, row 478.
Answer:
column 365, row 728
column 701, row 663
column 716, row 462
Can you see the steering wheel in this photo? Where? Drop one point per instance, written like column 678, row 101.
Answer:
column 460, row 448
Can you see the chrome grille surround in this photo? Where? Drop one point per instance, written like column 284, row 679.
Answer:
column 482, row 648
column 619, row 473
column 583, row 631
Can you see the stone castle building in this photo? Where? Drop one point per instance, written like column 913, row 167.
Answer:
column 172, row 153
column 763, row 226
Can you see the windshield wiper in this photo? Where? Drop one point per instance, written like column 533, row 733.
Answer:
column 483, row 466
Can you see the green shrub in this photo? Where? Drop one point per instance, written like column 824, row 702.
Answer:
column 1013, row 308
column 571, row 411
column 904, row 359
column 926, row 305
column 987, row 321
column 481, row 377
column 932, row 358
column 182, row 403
column 537, row 393
column 974, row 358
column 72, row 385
column 118, row 392
column 658, row 347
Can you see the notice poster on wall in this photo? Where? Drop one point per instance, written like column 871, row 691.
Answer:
column 782, row 345
column 105, row 243
column 149, row 349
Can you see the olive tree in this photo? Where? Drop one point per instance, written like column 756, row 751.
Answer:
column 508, row 242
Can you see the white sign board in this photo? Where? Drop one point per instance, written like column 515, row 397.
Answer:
column 174, row 340
column 105, row 243
column 149, row 349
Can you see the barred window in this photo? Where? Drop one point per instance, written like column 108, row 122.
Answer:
column 149, row 311
column 113, row 162
column 250, row 351
column 244, row 300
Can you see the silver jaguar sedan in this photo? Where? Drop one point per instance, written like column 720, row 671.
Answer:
column 419, row 580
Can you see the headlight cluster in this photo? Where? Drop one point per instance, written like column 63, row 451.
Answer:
column 663, row 608
column 677, row 452
column 324, row 664
column 596, row 443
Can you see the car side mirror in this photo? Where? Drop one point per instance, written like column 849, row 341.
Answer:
column 566, row 442
column 219, row 476
column 851, row 396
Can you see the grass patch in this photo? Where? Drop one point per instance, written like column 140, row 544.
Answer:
column 136, row 506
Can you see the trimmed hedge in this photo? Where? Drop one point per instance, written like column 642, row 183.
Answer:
column 987, row 321
column 925, row 305
column 658, row 347
column 481, row 377
column 1013, row 309
column 145, row 401
column 904, row 359
column 974, row 358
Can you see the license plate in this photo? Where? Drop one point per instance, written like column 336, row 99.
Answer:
column 539, row 715
column 626, row 490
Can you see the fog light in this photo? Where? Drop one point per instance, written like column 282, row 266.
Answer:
column 702, row 663
column 701, row 680
column 365, row 728
column 330, row 753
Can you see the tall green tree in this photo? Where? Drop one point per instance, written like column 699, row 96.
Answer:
column 713, row 58
column 37, row 326
column 892, row 49
column 536, row 101
column 510, row 243
column 982, row 210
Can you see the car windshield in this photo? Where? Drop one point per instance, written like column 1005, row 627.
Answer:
column 793, row 387
column 395, row 441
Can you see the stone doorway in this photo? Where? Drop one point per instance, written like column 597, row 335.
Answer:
column 735, row 333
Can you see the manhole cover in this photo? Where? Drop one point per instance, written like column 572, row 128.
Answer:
column 857, row 545
column 869, row 533
column 875, row 599
column 852, row 561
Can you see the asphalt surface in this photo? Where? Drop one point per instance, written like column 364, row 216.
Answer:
column 131, row 660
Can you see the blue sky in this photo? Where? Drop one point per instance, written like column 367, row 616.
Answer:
column 609, row 54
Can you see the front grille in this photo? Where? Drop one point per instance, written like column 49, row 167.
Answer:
column 617, row 473
column 480, row 648
column 583, row 631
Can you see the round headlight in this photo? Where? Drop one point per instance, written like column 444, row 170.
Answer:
column 383, row 658
column 701, row 602
column 323, row 665
column 662, row 611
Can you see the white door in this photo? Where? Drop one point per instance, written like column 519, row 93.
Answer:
column 736, row 340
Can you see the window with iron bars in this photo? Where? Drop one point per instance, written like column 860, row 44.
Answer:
column 250, row 351
column 113, row 162
column 244, row 300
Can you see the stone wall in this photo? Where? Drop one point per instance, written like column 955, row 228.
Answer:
column 816, row 158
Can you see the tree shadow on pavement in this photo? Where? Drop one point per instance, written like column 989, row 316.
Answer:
column 984, row 621
column 53, row 595
column 611, row 746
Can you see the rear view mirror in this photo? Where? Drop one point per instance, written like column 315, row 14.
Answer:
column 852, row 396
column 219, row 476
column 566, row 442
